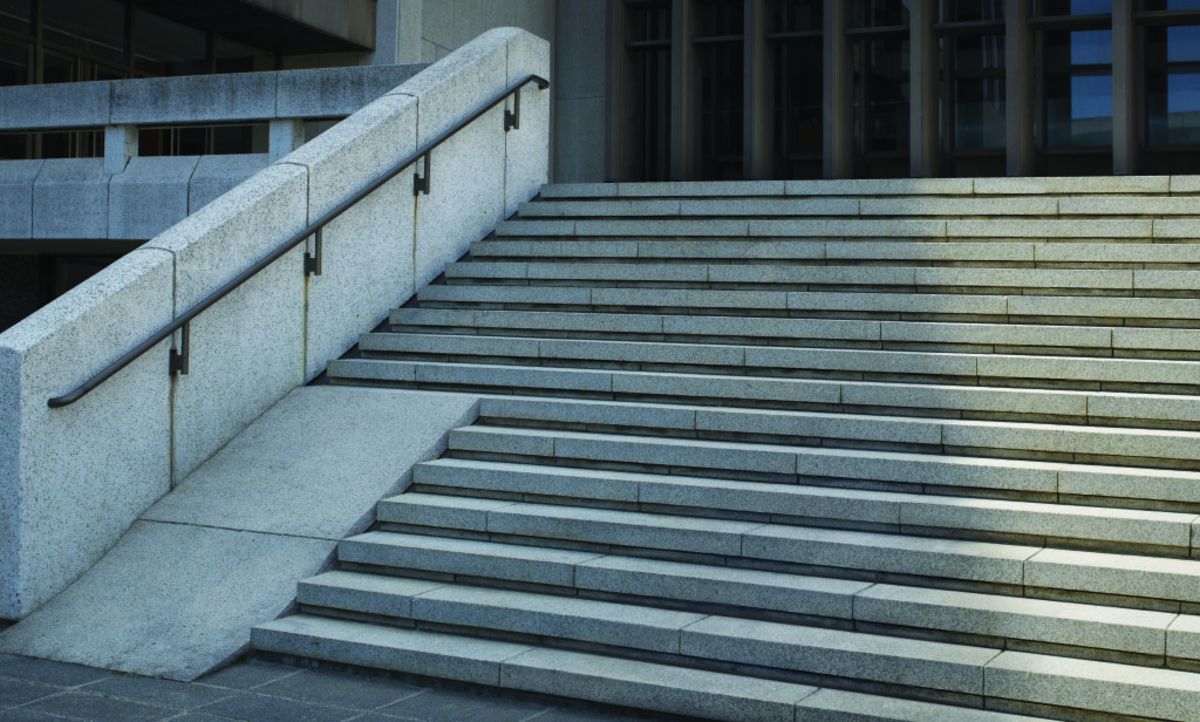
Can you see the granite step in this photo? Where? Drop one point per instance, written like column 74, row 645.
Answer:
column 1013, row 622
column 636, row 684
column 1158, row 532
column 987, row 369
column 949, row 400
column 1133, row 311
column 1138, row 581
column 978, row 337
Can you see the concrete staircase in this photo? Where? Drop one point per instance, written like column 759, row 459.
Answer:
column 873, row 450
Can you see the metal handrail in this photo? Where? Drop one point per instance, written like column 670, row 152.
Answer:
column 312, row 262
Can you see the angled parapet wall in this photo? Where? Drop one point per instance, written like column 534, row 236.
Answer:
column 72, row 479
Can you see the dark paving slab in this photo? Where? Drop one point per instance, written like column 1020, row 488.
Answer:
column 34, row 690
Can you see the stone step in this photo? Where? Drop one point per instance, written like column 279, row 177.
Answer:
column 933, row 335
column 1132, row 311
column 996, row 620
column 597, row 678
column 887, row 469
column 896, row 662
column 1057, row 229
column 1041, row 523
column 1030, row 206
column 1022, row 186
column 986, row 369
column 1155, row 410
column 831, row 430
column 1139, row 581
column 940, row 252
column 807, row 276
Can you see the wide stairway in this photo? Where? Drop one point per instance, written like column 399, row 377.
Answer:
column 891, row 450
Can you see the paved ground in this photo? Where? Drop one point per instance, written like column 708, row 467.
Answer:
column 33, row 690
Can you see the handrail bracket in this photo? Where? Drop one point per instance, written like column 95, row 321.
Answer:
column 313, row 261
column 177, row 362
column 512, row 118
column 421, row 182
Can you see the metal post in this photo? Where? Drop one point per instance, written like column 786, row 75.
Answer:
column 922, row 100
column 758, row 131
column 838, row 126
column 1125, row 72
column 1019, row 89
column 683, row 117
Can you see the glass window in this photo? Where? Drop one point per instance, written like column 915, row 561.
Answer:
column 797, row 98
column 976, row 69
column 1173, row 85
column 14, row 15
column 1073, row 7
column 879, row 14
column 966, row 11
column 881, row 97
column 14, row 62
column 1078, row 89
column 794, row 16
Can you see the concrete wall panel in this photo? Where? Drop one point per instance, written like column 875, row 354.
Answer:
column 247, row 350
column 70, row 199
column 73, row 479
column 55, row 105
column 216, row 175
column 527, row 148
column 195, row 98
column 16, row 197
column 368, row 252
column 149, row 197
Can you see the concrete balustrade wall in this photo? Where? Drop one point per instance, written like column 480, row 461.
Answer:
column 73, row 479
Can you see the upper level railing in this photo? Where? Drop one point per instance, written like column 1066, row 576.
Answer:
column 193, row 99
column 312, row 262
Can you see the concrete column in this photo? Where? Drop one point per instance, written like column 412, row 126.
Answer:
column 397, row 32
column 120, row 144
column 1125, row 71
column 922, row 108
column 285, row 135
column 758, row 132
column 683, row 93
column 1019, row 89
column 838, row 124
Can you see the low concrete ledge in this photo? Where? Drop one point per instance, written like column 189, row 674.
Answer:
column 316, row 93
column 59, row 467
column 179, row 592
column 78, row 199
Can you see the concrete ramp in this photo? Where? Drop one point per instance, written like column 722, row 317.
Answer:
column 179, row 592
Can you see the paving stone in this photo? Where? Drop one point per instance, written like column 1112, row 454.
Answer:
column 374, row 593
column 247, row 676
column 621, row 625
column 338, row 689
column 1124, row 574
column 644, row 352
column 1009, row 335
column 505, row 294
column 448, row 344
column 924, row 396
column 1098, row 686
column 898, row 302
column 973, row 206
column 688, row 298
column 802, row 501
column 530, row 442
column 159, row 692
column 400, row 650
column 253, row 707
column 1049, row 228
column 732, row 249
column 909, row 662
column 939, row 470
column 45, row 671
column 96, row 708
column 17, row 692
column 602, row 526
column 895, row 362
column 439, row 705
column 749, row 588
column 554, row 249
column 880, row 228
column 1081, row 625
column 1102, row 307
column 759, row 207
column 676, row 452
column 542, row 565
column 698, row 189
column 657, row 687
column 832, row 705
column 838, row 426
column 928, row 557
column 931, row 469
column 529, row 479
column 725, row 387
column 456, row 512
column 617, row 413
column 771, row 327
column 1124, row 482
